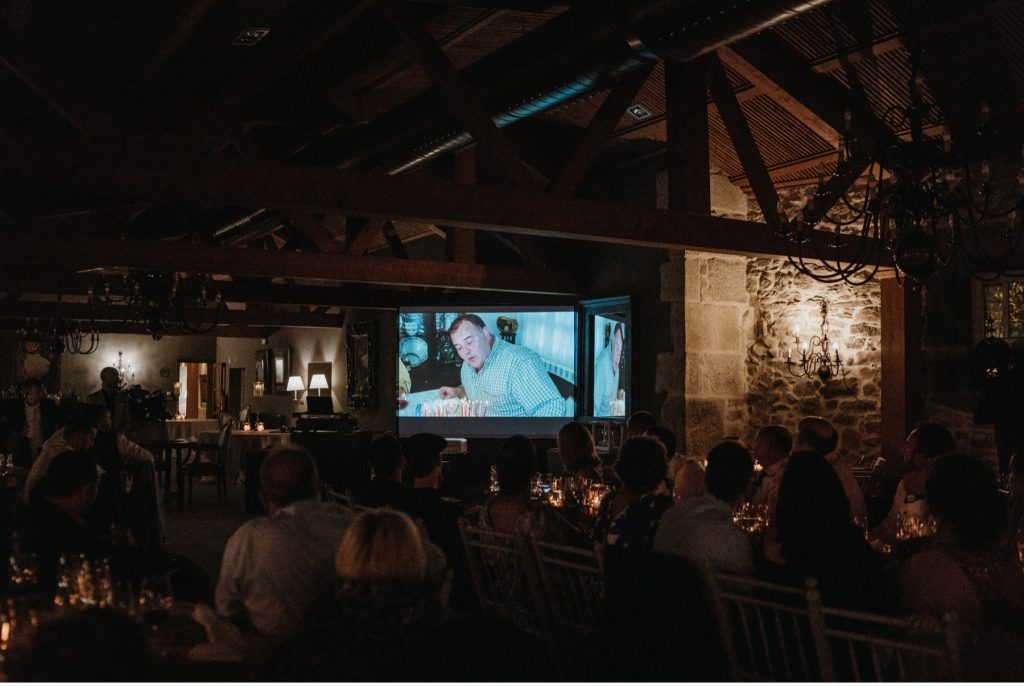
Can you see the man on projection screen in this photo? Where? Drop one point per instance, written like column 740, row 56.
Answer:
column 606, row 377
column 511, row 378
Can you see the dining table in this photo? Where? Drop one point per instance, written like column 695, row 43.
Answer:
column 190, row 428
column 245, row 441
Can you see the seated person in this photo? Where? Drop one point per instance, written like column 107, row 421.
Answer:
column 377, row 612
column 78, row 434
column 511, row 378
column 701, row 529
column 576, row 449
column 37, row 415
column 275, row 567
column 512, row 511
column 628, row 517
column 772, row 445
column 818, row 539
column 924, row 444
column 441, row 518
column 386, row 464
column 685, row 476
column 56, row 524
column 817, row 434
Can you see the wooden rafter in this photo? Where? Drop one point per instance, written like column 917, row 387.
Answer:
column 743, row 141
column 467, row 107
column 599, row 129
column 231, row 180
column 187, row 23
column 94, row 253
column 686, row 111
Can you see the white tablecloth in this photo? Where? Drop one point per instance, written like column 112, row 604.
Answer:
column 190, row 429
column 243, row 442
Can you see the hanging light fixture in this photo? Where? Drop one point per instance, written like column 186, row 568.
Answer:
column 124, row 369
column 51, row 338
column 162, row 303
column 928, row 214
column 818, row 356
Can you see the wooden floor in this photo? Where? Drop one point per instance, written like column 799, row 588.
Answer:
column 200, row 532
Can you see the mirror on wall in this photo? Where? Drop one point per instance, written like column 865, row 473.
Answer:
column 361, row 345
column 605, row 358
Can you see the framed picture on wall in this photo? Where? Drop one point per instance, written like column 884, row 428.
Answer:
column 282, row 368
column 361, row 345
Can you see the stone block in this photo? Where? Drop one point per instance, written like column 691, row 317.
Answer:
column 724, row 375
column 678, row 324
column 869, row 314
column 700, row 327
column 863, row 329
column 705, row 424
column 728, row 329
column 673, row 414
column 669, row 373
column 727, row 280
column 673, row 282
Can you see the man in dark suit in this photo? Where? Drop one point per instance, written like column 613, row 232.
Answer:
column 34, row 412
column 116, row 401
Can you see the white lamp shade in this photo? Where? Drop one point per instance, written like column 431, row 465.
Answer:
column 318, row 382
column 295, row 383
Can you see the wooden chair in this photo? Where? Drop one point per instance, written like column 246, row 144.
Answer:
column 216, row 467
column 873, row 648
column 574, row 590
column 767, row 630
column 505, row 577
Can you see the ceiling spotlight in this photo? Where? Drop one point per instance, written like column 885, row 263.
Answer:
column 250, row 36
column 639, row 112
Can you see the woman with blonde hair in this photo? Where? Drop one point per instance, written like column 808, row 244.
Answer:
column 576, row 449
column 381, row 545
column 381, row 609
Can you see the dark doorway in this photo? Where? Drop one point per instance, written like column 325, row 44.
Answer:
column 234, row 399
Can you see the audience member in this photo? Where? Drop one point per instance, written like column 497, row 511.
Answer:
column 38, row 415
column 56, row 523
column 110, row 395
column 701, row 529
column 924, row 444
column 386, row 464
column 78, row 434
column 628, row 517
column 638, row 423
column 14, row 443
column 684, row 476
column 512, row 511
column 817, row 434
column 96, row 645
column 772, row 445
column 819, row 540
column 275, row 567
column 370, row 625
column 1015, row 487
column 576, row 449
column 967, row 569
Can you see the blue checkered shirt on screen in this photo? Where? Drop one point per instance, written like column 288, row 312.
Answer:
column 514, row 381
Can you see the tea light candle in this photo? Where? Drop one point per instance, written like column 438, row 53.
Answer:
column 259, row 426
column 246, row 426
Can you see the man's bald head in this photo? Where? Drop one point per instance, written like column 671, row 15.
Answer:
column 288, row 474
column 816, row 434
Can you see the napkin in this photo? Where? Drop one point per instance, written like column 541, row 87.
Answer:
column 226, row 642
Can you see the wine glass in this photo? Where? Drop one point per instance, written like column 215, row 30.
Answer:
column 156, row 600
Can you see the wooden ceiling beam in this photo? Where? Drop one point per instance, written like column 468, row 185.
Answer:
column 464, row 103
column 13, row 324
column 743, row 141
column 188, row 21
column 231, row 180
column 92, row 253
column 600, row 128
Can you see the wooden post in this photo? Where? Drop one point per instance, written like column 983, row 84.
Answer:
column 901, row 365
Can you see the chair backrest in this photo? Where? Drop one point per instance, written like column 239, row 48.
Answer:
column 573, row 583
column 868, row 647
column 505, row 577
column 223, row 437
column 342, row 498
column 767, row 631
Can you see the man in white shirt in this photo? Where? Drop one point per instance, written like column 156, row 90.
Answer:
column 817, row 434
column 275, row 567
column 701, row 529
column 772, row 445
column 606, row 376
column 924, row 444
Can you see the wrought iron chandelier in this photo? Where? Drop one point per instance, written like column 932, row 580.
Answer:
column 162, row 303
column 51, row 338
column 929, row 213
column 819, row 355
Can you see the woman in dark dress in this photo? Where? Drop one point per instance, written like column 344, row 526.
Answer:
column 373, row 623
column 819, row 539
column 628, row 517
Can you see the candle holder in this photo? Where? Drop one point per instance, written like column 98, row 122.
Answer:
column 260, row 427
column 818, row 356
column 246, row 426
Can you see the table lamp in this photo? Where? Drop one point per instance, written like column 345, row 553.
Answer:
column 295, row 385
column 318, row 382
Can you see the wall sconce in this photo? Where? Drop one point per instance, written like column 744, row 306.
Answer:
column 295, row 385
column 818, row 355
column 318, row 382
